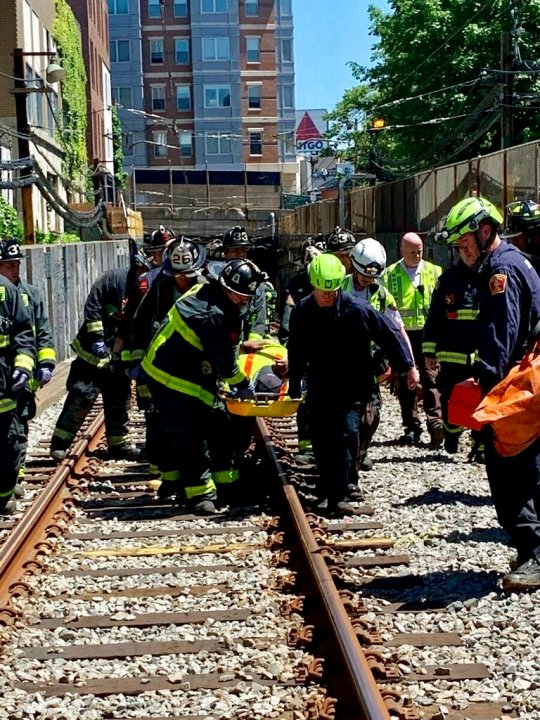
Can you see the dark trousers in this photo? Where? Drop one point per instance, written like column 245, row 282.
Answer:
column 408, row 399
column 26, row 411
column 334, row 432
column 85, row 382
column 369, row 422
column 11, row 441
column 515, row 488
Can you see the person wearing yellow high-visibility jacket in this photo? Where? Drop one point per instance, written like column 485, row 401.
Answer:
column 194, row 349
column 411, row 281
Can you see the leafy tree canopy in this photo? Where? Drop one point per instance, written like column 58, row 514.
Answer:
column 436, row 75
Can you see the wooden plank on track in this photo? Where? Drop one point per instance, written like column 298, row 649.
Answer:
column 144, row 619
column 427, row 639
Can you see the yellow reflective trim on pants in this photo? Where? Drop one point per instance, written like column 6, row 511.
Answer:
column 21, row 473
column 469, row 314
column 429, row 347
column 114, row 440
column 125, row 355
column 4, row 341
column 225, row 477
column 63, row 434
column 7, row 404
column 200, row 490
column 46, row 355
column 94, row 326
column 137, row 355
column 453, row 429
column 170, row 475
column 143, row 392
column 453, row 357
column 304, row 445
column 7, row 493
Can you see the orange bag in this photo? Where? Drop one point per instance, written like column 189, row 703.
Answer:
column 512, row 407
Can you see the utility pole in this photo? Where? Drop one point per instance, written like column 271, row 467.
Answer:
column 23, row 130
column 507, row 94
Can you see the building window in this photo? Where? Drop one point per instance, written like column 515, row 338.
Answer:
column 286, row 7
column 288, row 96
column 255, row 142
column 186, row 144
column 286, row 50
column 217, row 96
column 254, row 97
column 180, row 8
column 158, row 97
column 160, row 144
column 214, row 6
column 120, row 51
column 252, row 8
column 123, row 96
column 156, row 51
column 154, row 8
column 215, row 48
column 218, row 143
column 181, row 51
column 183, row 97
column 253, row 49
column 118, row 7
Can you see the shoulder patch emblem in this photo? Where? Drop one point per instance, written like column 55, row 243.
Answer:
column 497, row 284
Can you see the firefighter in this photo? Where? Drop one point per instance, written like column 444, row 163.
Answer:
column 235, row 244
column 100, row 365
column 411, row 281
column 449, row 341
column 182, row 262
column 330, row 345
column 340, row 243
column 10, row 267
column 195, row 348
column 155, row 244
column 17, row 366
column 368, row 259
column 523, row 220
column 509, row 308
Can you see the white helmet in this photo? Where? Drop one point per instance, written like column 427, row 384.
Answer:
column 368, row 257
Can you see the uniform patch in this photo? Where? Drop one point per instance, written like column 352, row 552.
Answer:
column 449, row 299
column 497, row 284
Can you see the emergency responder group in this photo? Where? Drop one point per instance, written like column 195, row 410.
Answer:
column 185, row 329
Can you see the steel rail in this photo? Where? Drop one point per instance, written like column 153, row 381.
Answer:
column 358, row 694
column 20, row 546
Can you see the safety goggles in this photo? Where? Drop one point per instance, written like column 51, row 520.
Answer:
column 372, row 269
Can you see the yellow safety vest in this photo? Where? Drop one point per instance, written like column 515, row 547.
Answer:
column 412, row 303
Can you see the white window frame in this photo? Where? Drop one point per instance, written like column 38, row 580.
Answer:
column 156, row 43
column 220, row 138
column 187, row 94
column 218, row 6
column 183, row 134
column 178, row 4
column 178, row 40
column 218, row 90
column 253, row 39
column 155, row 4
column 159, row 102
column 250, row 5
column 255, row 131
column 114, row 53
column 216, row 49
column 159, row 139
column 254, row 86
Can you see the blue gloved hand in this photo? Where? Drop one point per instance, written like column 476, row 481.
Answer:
column 99, row 348
column 136, row 372
column 20, row 378
column 44, row 376
column 245, row 390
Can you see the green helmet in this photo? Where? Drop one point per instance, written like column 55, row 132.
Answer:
column 466, row 216
column 326, row 272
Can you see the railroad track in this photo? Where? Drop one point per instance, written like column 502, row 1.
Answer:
column 114, row 604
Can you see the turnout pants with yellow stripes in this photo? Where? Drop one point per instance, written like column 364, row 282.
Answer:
column 26, row 411
column 85, row 382
column 196, row 450
column 11, row 442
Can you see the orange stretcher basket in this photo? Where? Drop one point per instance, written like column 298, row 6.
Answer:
column 464, row 400
column 264, row 405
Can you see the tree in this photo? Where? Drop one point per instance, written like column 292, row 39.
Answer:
column 436, row 81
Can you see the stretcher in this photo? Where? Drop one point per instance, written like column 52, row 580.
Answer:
column 264, row 405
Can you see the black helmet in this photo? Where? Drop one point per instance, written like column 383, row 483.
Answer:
column 340, row 240
column 236, row 237
column 242, row 277
column 10, row 250
column 183, row 256
column 159, row 239
column 523, row 215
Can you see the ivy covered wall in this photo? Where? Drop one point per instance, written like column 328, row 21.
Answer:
column 72, row 136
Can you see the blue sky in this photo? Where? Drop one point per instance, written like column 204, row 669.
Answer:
column 327, row 34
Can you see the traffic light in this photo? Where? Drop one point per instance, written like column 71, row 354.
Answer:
column 378, row 123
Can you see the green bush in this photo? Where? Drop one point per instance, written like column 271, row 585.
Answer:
column 10, row 224
column 51, row 237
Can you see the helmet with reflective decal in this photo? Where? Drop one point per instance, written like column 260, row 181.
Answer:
column 183, row 256
column 242, row 277
column 368, row 258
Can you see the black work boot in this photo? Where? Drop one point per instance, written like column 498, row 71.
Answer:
column 525, row 577
column 451, row 443
column 168, row 489
column 123, row 452
column 7, row 506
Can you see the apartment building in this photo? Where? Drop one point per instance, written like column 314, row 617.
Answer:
column 207, row 92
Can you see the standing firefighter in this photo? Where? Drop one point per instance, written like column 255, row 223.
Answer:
column 17, row 364
column 330, row 345
column 509, row 308
column 195, row 348
column 523, row 220
column 95, row 370
column 10, row 267
column 411, row 281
